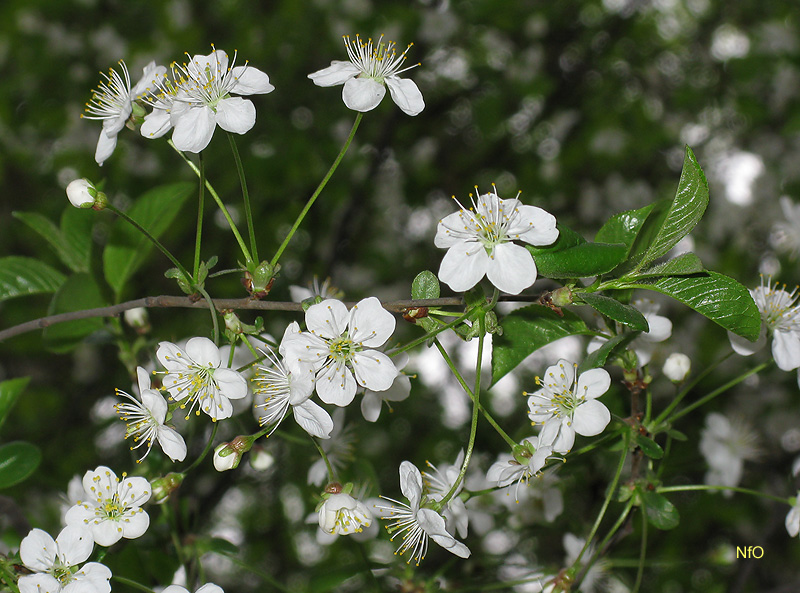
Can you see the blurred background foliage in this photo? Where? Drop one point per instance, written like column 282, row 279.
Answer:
column 584, row 107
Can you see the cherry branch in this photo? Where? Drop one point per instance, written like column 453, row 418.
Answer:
column 166, row 301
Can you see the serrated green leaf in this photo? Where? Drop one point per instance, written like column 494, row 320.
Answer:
column 648, row 446
column 685, row 212
column 72, row 242
column 716, row 296
column 10, row 391
column 581, row 261
column 425, row 286
column 626, row 314
column 623, row 227
column 79, row 292
column 20, row 276
column 18, row 460
column 598, row 357
column 683, row 265
column 660, row 512
column 128, row 249
column 528, row 329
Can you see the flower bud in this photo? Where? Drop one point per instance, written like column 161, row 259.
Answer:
column 138, row 319
column 260, row 459
column 164, row 486
column 226, row 457
column 81, row 193
column 677, row 367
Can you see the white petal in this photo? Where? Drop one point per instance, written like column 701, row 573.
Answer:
column 371, row 405
column 236, row 115
column 444, row 237
column 91, row 578
column 216, row 61
column 744, row 347
column 411, row 483
column 534, row 226
column 362, row 94
column 406, row 95
column 136, row 525
column 231, row 383
column 793, row 521
column 155, row 404
column 374, row 370
column 38, row 550
column 100, row 483
column 786, row 349
column 327, row 318
column 75, row 543
column 107, row 533
column 150, row 73
column 370, row 324
column 156, row 124
column 336, row 385
column 172, row 443
column 250, row 81
column 209, row 588
column 338, row 72
column 135, row 491
column 193, row 129
column 590, row 418
column 511, row 268
column 433, row 524
column 203, row 351
column 105, row 147
column 313, row 419
column 593, row 383
column 463, row 266
column 38, row 583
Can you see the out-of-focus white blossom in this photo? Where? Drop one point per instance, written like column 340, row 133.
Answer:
column 726, row 445
column 677, row 367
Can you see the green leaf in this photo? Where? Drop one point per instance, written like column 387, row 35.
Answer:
column 677, row 435
column 20, row 276
column 566, row 238
column 581, row 261
column 18, row 460
column 425, row 286
column 598, row 358
column 623, row 227
column 626, row 314
column 79, row 292
column 72, row 242
column 648, row 446
column 684, row 212
column 716, row 296
column 217, row 545
column 660, row 512
column 528, row 329
column 9, row 393
column 683, row 265
column 128, row 249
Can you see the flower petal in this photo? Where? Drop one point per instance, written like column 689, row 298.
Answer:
column 106, row 143
column 533, row 225
column 135, row 525
column 156, row 123
column 411, row 483
column 231, row 383
column 593, row 383
column 786, row 349
column 172, row 443
column 371, row 404
column 106, row 533
column 433, row 524
column 744, row 347
column 38, row 583
column 511, row 268
column 374, row 370
column 75, row 544
column 250, row 81
column 327, row 319
column 406, row 95
column 370, row 324
column 38, row 550
column 590, row 418
column 91, row 578
column 338, row 72
column 464, row 265
column 204, row 352
column 313, row 419
column 336, row 385
column 362, row 94
column 236, row 115
column 193, row 129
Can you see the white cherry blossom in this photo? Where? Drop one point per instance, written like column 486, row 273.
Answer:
column 726, row 445
column 415, row 523
column 372, row 68
column 146, row 419
column 112, row 508
column 438, row 483
column 341, row 514
column 527, row 461
column 780, row 316
column 339, row 348
column 567, row 405
column 793, row 518
column 79, row 193
column 196, row 374
column 112, row 103
column 479, row 243
column 55, row 563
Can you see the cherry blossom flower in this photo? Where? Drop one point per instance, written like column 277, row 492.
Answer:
column 677, row 367
column 146, row 420
column 726, row 445
column 341, row 514
column 282, row 387
column 372, row 67
column 207, row 588
column 780, row 316
column 339, row 348
column 479, row 243
column 527, row 461
column 55, row 563
column 414, row 522
column 566, row 406
column 113, row 101
column 793, row 518
column 195, row 374
column 198, row 99
column 113, row 509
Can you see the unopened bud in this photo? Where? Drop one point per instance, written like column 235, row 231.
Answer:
column 81, row 193
column 164, row 486
column 677, row 367
column 225, row 458
column 232, row 322
column 138, row 319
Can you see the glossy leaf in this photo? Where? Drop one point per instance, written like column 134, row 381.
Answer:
column 599, row 357
column 128, row 249
column 72, row 242
column 18, row 460
column 660, row 512
column 648, row 446
column 528, row 329
column 625, row 314
column 566, row 238
column 581, row 261
column 716, row 296
column 21, row 276
column 425, row 286
column 79, row 292
column 623, row 227
column 683, row 265
column 10, row 391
